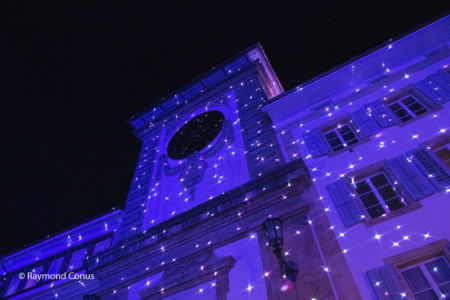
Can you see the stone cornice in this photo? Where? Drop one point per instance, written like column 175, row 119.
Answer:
column 278, row 191
column 187, row 275
column 253, row 68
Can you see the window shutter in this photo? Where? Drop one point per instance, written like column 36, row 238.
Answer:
column 77, row 259
column 366, row 125
column 55, row 266
column 428, row 164
column 316, row 143
column 436, row 87
column 344, row 199
column 410, row 178
column 384, row 283
column 382, row 114
column 100, row 246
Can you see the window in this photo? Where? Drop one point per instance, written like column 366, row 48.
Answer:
column 378, row 195
column 195, row 135
column 443, row 153
column 341, row 136
column 429, row 279
column 407, row 108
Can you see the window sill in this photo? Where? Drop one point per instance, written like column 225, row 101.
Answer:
column 401, row 211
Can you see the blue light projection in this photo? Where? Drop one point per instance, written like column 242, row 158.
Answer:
column 178, row 185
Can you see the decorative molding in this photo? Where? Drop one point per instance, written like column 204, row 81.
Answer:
column 280, row 192
column 188, row 274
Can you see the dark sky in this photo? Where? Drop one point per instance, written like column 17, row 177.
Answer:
column 72, row 72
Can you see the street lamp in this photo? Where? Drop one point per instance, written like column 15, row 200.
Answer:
column 274, row 233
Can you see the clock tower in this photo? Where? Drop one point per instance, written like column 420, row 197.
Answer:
column 202, row 141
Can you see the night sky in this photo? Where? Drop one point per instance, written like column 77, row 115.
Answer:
column 73, row 72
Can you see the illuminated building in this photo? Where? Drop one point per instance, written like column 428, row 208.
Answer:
column 354, row 163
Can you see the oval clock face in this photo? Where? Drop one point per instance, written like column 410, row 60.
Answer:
column 195, row 135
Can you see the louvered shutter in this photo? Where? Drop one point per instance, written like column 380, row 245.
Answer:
column 436, row 87
column 431, row 167
column 77, row 259
column 55, row 266
column 410, row 178
column 365, row 124
column 100, row 246
column 384, row 283
column 315, row 142
column 344, row 200
column 382, row 114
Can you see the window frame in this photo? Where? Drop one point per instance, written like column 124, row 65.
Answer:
column 405, row 107
column 332, row 125
column 414, row 256
column 426, row 273
column 374, row 190
column 340, row 136
column 436, row 143
column 371, row 170
column 411, row 90
column 447, row 146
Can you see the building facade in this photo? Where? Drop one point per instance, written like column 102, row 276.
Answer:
column 354, row 165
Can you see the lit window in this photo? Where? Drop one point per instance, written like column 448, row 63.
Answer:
column 443, row 153
column 429, row 279
column 378, row 195
column 407, row 108
column 341, row 136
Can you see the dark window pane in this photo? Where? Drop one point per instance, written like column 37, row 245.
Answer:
column 406, row 118
column 395, row 203
column 379, row 180
column 369, row 199
column 344, row 129
column 409, row 100
column 395, row 106
column 338, row 148
column 375, row 211
column 195, row 135
column 428, row 295
column 362, row 187
column 387, row 192
column 415, row 106
column 415, row 279
column 351, row 142
column 401, row 113
column 439, row 270
column 444, row 155
column 348, row 136
column 334, row 142
column 445, row 289
column 421, row 111
column 330, row 135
